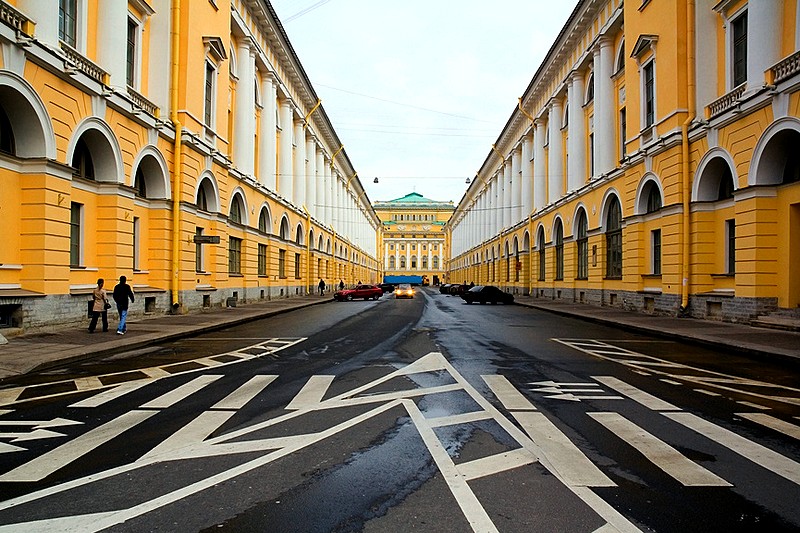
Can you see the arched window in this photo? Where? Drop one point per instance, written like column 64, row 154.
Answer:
column 653, row 198
column 425, row 262
column 202, row 199
column 614, row 240
column 590, row 89
column 583, row 246
column 392, row 262
column 435, row 262
column 140, row 184
column 263, row 221
column 402, row 262
column 414, row 262
column 82, row 165
column 540, row 246
column 559, row 241
column 236, row 210
column 6, row 134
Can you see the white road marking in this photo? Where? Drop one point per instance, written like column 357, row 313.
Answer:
column 573, row 398
column 639, row 396
column 195, row 431
column 773, row 423
column 508, row 395
column 88, row 383
column 754, row 405
column 44, row 465
column 106, row 396
column 184, row 391
column 311, row 393
column 571, row 464
column 463, row 418
column 557, row 384
column 476, row 515
column 36, row 434
column 39, row 424
column 707, row 392
column 661, row 454
column 748, row 449
column 671, row 382
column 494, row 464
column 239, row 398
column 8, row 448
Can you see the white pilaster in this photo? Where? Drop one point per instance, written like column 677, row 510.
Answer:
column 45, row 14
column 516, row 185
column 555, row 158
column 299, row 178
column 320, row 179
column 285, row 153
column 112, row 31
column 604, row 106
column 311, row 174
column 507, row 186
column 764, row 22
column 576, row 165
column 539, row 167
column 268, row 134
column 526, row 175
column 244, row 121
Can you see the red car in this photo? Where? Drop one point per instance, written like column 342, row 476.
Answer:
column 360, row 291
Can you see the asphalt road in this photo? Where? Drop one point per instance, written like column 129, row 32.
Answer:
column 406, row 415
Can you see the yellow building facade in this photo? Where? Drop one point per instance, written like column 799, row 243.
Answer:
column 413, row 241
column 176, row 142
column 651, row 165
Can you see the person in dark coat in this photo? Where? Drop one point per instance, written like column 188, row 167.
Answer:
column 321, row 287
column 122, row 293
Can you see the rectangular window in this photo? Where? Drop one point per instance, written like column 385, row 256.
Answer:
column 131, row 53
column 730, row 245
column 297, row 266
column 614, row 251
column 739, row 49
column 282, row 264
column 591, row 154
column 649, row 94
column 136, row 248
column 68, row 21
column 542, row 265
column 234, row 255
column 208, row 114
column 198, row 251
column 623, row 133
column 583, row 258
column 656, row 248
column 262, row 259
column 75, row 234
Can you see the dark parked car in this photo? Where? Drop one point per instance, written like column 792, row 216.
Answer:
column 457, row 289
column 487, row 293
column 360, row 291
column 444, row 288
column 387, row 287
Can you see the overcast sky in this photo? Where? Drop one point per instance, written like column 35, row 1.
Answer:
column 419, row 90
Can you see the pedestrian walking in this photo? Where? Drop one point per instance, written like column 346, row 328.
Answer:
column 321, row 287
column 341, row 285
column 122, row 293
column 100, row 306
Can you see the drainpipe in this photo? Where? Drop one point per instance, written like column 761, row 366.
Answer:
column 687, row 178
column 177, row 170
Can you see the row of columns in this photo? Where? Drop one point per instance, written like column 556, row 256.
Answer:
column 304, row 174
column 408, row 253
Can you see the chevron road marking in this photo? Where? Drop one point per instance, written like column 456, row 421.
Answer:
column 312, row 393
column 174, row 396
column 508, row 395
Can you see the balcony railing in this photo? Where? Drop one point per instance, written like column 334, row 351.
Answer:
column 720, row 105
column 786, row 68
column 13, row 18
column 143, row 103
column 83, row 64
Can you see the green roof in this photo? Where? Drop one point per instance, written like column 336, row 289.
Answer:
column 413, row 200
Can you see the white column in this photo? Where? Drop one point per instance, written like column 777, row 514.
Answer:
column 526, row 175
column 244, row 116
column 764, row 22
column 555, row 158
column 311, row 174
column 604, row 114
column 299, row 178
column 319, row 207
column 539, row 168
column 45, row 14
column 329, row 180
column 516, row 185
column 576, row 165
column 285, row 158
column 497, row 204
column 268, row 136
column 112, row 31
column 507, row 186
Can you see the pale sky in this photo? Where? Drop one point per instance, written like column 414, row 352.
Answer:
column 419, row 90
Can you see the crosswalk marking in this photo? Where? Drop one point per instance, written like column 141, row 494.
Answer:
column 239, row 398
column 108, row 395
column 508, row 395
column 639, row 396
column 572, row 465
column 311, row 393
column 773, row 423
column 463, row 418
column 494, row 464
column 174, row 396
column 660, row 453
column 761, row 455
column 44, row 465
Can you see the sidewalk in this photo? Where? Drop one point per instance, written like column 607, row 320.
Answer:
column 764, row 342
column 41, row 351
column 28, row 353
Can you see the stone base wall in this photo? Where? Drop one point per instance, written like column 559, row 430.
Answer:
column 48, row 313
